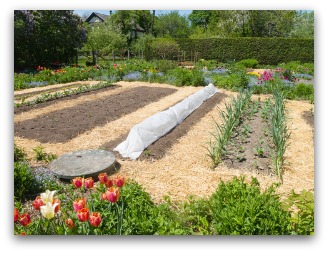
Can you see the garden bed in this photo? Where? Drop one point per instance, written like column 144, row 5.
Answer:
column 66, row 124
column 160, row 148
column 185, row 168
column 18, row 95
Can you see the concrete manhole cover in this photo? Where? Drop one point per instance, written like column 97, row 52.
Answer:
column 83, row 163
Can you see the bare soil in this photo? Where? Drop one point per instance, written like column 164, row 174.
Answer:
column 250, row 145
column 66, row 124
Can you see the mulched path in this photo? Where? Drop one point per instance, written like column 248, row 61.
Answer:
column 309, row 118
column 25, row 108
column 160, row 148
column 63, row 125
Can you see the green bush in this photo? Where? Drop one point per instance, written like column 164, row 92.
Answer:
column 303, row 219
column 163, row 48
column 241, row 209
column 265, row 50
column 248, row 63
column 186, row 77
column 234, row 81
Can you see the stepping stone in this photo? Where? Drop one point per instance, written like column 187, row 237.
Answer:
column 84, row 163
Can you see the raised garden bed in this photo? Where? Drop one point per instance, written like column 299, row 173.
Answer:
column 66, row 124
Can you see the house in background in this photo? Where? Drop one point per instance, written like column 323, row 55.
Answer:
column 96, row 18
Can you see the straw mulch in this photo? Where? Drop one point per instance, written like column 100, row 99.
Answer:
column 185, row 170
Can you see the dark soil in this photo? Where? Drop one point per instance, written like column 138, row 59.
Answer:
column 308, row 116
column 160, row 148
column 26, row 108
column 63, row 125
column 249, row 146
column 32, row 93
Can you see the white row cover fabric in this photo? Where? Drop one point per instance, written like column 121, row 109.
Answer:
column 159, row 124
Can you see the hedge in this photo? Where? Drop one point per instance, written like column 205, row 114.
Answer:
column 265, row 50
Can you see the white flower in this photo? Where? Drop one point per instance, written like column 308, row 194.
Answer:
column 47, row 196
column 48, row 211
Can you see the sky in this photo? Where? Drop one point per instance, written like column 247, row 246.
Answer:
column 157, row 12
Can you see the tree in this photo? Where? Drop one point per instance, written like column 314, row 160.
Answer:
column 43, row 37
column 200, row 18
column 129, row 20
column 104, row 39
column 172, row 25
column 303, row 25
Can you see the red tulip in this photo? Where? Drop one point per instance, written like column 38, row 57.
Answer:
column 79, row 204
column 37, row 203
column 25, row 219
column 16, row 214
column 70, row 223
column 57, row 208
column 109, row 183
column 88, row 182
column 95, row 219
column 113, row 194
column 119, row 181
column 78, row 182
column 83, row 214
column 103, row 178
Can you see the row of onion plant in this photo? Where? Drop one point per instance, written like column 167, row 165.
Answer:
column 279, row 130
column 231, row 117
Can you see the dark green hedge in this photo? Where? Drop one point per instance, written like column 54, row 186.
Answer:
column 265, row 50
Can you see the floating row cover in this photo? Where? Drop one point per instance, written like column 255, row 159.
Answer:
column 159, row 124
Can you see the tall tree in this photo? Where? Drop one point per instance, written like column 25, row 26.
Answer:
column 172, row 25
column 42, row 37
column 303, row 25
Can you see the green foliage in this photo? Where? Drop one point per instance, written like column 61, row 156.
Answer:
column 163, row 48
column 248, row 63
column 104, row 39
column 23, row 180
column 234, row 208
column 41, row 155
column 172, row 25
column 186, row 77
column 39, row 40
column 279, row 131
column 287, row 74
column 241, row 209
column 265, row 50
column 303, row 218
column 304, row 25
column 19, row 154
column 231, row 118
column 29, row 182
column 234, row 81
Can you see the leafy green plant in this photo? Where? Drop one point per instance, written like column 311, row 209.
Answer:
column 41, row 155
column 303, row 215
column 242, row 209
column 248, row 63
column 28, row 181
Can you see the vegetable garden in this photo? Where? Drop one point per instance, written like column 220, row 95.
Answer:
column 242, row 163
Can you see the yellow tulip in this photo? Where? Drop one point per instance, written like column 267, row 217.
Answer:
column 47, row 196
column 48, row 211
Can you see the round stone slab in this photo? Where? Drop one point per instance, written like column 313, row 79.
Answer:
column 83, row 163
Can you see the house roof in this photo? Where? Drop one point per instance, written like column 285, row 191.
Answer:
column 96, row 14
column 103, row 17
